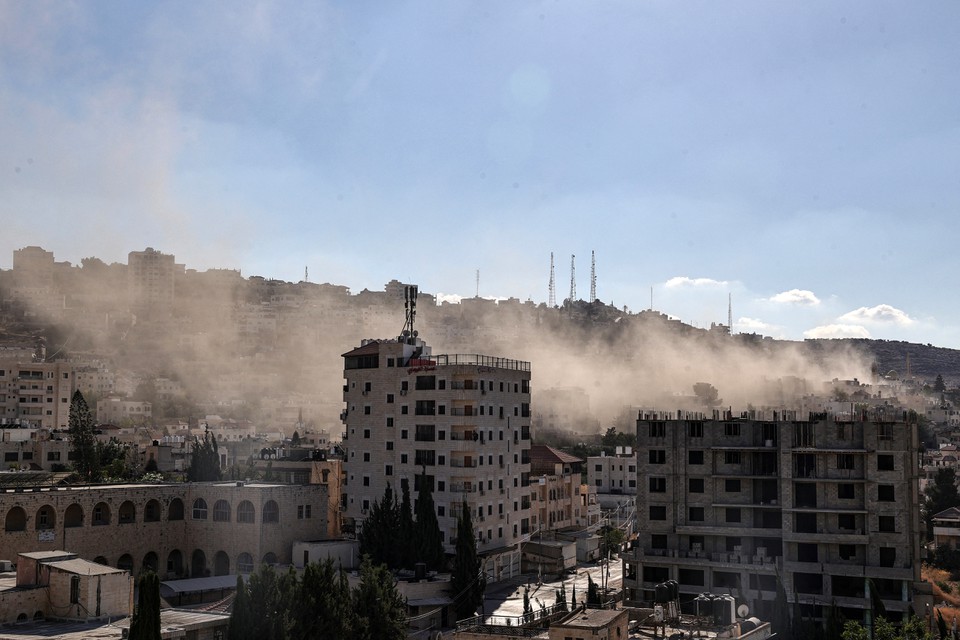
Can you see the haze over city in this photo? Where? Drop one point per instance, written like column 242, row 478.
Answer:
column 801, row 158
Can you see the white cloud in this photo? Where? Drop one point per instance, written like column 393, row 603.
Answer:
column 882, row 313
column 683, row 281
column 753, row 325
column 796, row 296
column 837, row 331
column 449, row 297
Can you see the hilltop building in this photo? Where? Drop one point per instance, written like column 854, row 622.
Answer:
column 464, row 420
column 36, row 394
column 826, row 505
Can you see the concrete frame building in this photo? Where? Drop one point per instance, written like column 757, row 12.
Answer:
column 827, row 505
column 36, row 393
column 465, row 419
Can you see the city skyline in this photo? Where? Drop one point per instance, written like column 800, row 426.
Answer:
column 799, row 158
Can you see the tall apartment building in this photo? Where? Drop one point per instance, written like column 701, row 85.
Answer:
column 464, row 419
column 150, row 279
column 827, row 506
column 613, row 477
column 36, row 394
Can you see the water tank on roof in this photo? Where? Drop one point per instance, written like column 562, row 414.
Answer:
column 661, row 593
column 674, row 587
column 704, row 603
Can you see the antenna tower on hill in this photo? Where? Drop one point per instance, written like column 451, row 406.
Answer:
column 552, row 299
column 573, row 278
column 730, row 313
column 478, row 283
column 306, row 274
column 593, row 277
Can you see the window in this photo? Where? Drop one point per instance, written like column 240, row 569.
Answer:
column 847, row 551
column 885, row 493
column 731, row 429
column 888, row 556
column 845, row 461
column 366, row 409
column 884, row 462
column 244, row 563
column 846, row 491
column 732, row 485
column 366, row 481
column 658, row 512
column 423, row 457
column 885, row 432
column 425, row 433
column 656, row 456
column 366, row 456
column 271, row 512
column 658, row 485
column 199, row 509
column 695, row 429
column 299, row 512
column 403, row 410
column 403, row 434
column 403, row 458
column 696, row 514
column 366, row 433
column 731, row 457
column 846, row 521
column 389, row 445
column 388, row 470
column 389, row 398
column 733, row 515
column 658, row 541
column 426, row 408
column 696, row 485
column 695, row 457
column 886, row 524
column 389, row 422
column 657, row 429
column 221, row 511
column 426, row 383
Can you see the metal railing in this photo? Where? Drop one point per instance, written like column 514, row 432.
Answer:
column 480, row 361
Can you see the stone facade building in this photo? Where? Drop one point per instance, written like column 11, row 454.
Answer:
column 827, row 506
column 464, row 419
column 36, row 394
column 179, row 530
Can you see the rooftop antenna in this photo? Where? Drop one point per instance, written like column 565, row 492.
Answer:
column 410, row 309
column 573, row 278
column 593, row 277
column 552, row 296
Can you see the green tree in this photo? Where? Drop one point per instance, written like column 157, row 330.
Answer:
column 561, row 602
column 707, row 394
column 611, row 539
column 384, row 611
column 145, row 624
column 204, row 459
column 939, row 385
column 295, row 440
column 240, row 617
column 270, row 597
column 853, row 630
column 427, row 528
column 939, row 495
column 593, row 591
column 406, row 543
column 377, row 534
column 467, row 583
column 323, row 607
column 83, row 440
column 527, row 609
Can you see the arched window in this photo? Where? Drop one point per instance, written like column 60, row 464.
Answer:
column 176, row 510
column 245, row 563
column 101, row 514
column 270, row 558
column 128, row 512
column 221, row 564
column 198, row 564
column 125, row 562
column 221, row 511
column 16, row 520
column 151, row 512
column 150, row 562
column 199, row 509
column 245, row 512
column 46, row 518
column 175, row 563
column 271, row 512
column 73, row 516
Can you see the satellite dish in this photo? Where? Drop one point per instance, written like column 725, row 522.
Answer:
column 743, row 610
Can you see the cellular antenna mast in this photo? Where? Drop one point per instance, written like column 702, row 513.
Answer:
column 573, row 278
column 478, row 283
column 593, row 277
column 552, row 296
column 410, row 309
column 730, row 313
column 306, row 274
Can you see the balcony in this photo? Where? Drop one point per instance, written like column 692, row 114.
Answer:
column 463, row 463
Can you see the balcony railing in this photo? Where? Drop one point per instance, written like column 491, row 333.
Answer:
column 481, row 361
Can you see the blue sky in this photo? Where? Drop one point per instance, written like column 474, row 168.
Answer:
column 803, row 157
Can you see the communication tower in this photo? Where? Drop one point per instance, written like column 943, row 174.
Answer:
column 552, row 298
column 573, row 278
column 593, row 277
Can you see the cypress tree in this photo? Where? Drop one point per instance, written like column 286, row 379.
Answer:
column 406, row 543
column 83, row 441
column 204, row 460
column 427, row 528
column 467, row 583
column 240, row 618
column 146, row 618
